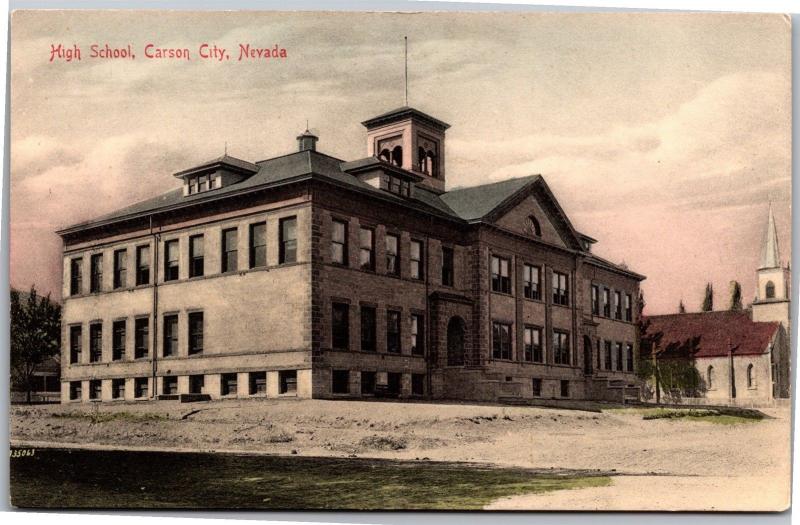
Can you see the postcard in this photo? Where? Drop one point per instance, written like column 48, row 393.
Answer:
column 400, row 261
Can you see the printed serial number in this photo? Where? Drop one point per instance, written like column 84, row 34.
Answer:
column 23, row 452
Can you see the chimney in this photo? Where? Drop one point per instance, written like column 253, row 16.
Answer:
column 307, row 141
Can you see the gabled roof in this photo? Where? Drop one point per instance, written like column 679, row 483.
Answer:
column 225, row 161
column 476, row 202
column 707, row 334
column 403, row 113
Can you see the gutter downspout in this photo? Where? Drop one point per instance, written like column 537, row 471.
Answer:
column 156, row 240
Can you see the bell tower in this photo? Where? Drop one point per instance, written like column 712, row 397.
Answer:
column 772, row 281
column 411, row 140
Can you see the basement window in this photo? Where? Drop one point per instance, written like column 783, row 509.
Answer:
column 140, row 387
column 196, row 384
column 95, row 389
column 418, row 384
column 287, row 381
column 170, row 385
column 258, row 383
column 341, row 381
column 118, row 388
column 75, row 390
column 564, row 388
column 536, row 384
column 367, row 383
column 228, row 385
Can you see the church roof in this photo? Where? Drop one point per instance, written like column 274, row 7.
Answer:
column 707, row 334
column 770, row 255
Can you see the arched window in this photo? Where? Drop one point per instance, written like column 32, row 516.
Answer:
column 385, row 155
column 397, row 156
column 770, row 290
column 710, row 378
column 533, row 226
column 422, row 160
column 432, row 164
column 751, row 380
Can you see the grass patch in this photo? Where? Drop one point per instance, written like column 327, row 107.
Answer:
column 733, row 416
column 107, row 417
column 383, row 443
column 124, row 479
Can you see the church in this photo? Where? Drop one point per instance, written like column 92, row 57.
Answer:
column 741, row 357
column 306, row 275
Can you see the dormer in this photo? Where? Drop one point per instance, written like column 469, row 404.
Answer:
column 215, row 174
column 383, row 175
column 412, row 140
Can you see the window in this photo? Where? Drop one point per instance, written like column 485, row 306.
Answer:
column 536, row 384
column 620, row 360
column 501, row 340
column 368, row 329
column 340, row 324
column 230, row 250
column 629, row 355
column 195, row 333
column 141, row 338
column 118, row 340
column 393, row 332
column 258, row 383
column 196, row 384
column 417, row 270
column 533, row 226
column 140, row 387
column 617, row 305
column 288, row 240
column 448, row 266
column 339, row 251
column 341, row 382
column 710, row 378
column 561, row 353
column 530, row 279
column 751, row 380
column 95, row 343
column 258, row 245
column 564, row 388
column 196, row 256
column 533, row 345
column 171, row 258
column 606, row 302
column 287, row 382
column 417, row 334
column 394, row 381
column 608, row 363
column 75, row 276
column 560, row 288
column 628, row 307
column 392, row 254
column 118, row 388
column 170, row 335
column 96, row 273
column 501, row 282
column 228, row 385
column 366, row 254
column 417, row 384
column 120, row 269
column 75, row 344
column 170, row 384
column 142, row 265
column 75, row 390
column 595, row 300
column 770, row 290
column 95, row 389
column 203, row 183
column 367, row 383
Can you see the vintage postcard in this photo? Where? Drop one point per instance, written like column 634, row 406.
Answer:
column 395, row 261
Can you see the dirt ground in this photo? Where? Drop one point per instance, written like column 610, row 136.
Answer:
column 661, row 464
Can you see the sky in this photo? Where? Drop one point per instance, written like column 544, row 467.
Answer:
column 664, row 136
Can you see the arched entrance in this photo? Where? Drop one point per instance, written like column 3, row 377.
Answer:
column 587, row 355
column 455, row 341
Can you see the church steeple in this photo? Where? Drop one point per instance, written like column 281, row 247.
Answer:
column 770, row 255
column 772, row 280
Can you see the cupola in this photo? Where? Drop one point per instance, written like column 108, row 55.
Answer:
column 412, row 140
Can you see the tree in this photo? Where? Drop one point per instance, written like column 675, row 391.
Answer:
column 681, row 308
column 708, row 300
column 736, row 296
column 35, row 336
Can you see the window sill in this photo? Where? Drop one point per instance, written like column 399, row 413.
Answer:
column 533, row 300
column 504, row 294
